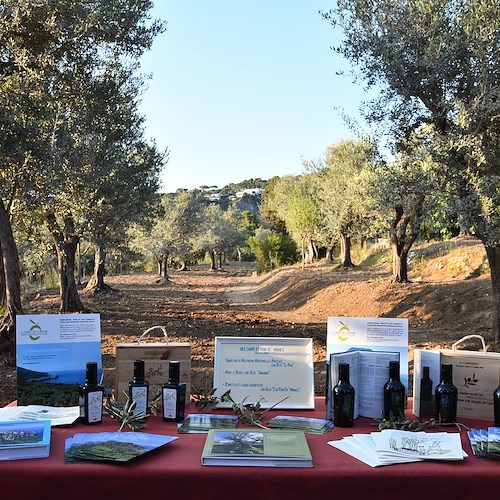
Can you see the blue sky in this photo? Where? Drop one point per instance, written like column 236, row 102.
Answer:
column 244, row 89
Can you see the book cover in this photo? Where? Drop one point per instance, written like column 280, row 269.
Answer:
column 52, row 351
column 119, row 447
column 202, row 423
column 24, row 439
column 257, row 447
column 306, row 424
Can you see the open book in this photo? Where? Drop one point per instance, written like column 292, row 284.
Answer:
column 368, row 372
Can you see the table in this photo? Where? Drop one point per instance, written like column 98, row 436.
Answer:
column 175, row 472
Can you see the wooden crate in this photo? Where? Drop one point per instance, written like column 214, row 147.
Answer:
column 157, row 357
column 475, row 375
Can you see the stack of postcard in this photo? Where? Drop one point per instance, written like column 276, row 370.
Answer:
column 309, row 425
column 112, row 446
column 485, row 443
column 24, row 439
column 201, row 423
column 394, row 447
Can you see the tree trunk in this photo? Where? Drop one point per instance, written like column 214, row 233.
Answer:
column 329, row 251
column 345, row 251
column 11, row 304
column 493, row 253
column 402, row 242
column 159, row 262
column 96, row 281
column 213, row 260
column 66, row 244
column 183, row 266
column 399, row 263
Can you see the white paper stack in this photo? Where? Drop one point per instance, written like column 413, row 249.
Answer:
column 392, row 446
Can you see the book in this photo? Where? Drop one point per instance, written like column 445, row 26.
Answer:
column 256, row 448
column 368, row 373
column 24, row 439
column 119, row 447
column 392, row 446
column 306, row 424
column 201, row 423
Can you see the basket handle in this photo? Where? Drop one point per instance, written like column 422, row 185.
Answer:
column 467, row 337
column 145, row 332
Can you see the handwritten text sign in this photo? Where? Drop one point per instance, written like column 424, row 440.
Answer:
column 265, row 367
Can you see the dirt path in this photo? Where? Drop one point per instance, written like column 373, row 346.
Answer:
column 199, row 305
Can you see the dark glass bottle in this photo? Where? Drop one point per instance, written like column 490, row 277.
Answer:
column 174, row 395
column 138, row 389
column 91, row 396
column 426, row 403
column 496, row 406
column 446, row 395
column 394, row 394
column 343, row 399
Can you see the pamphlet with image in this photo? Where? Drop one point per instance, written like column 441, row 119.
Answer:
column 374, row 334
column 52, row 352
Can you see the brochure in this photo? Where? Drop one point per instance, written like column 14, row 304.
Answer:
column 346, row 334
column 119, row 447
column 257, row 448
column 308, row 425
column 24, row 439
column 201, row 423
column 56, row 415
column 392, row 446
column 52, row 351
column 368, row 373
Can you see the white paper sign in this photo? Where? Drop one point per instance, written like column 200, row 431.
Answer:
column 265, row 367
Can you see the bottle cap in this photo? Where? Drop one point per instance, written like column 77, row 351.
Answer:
column 394, row 369
column 91, row 373
column 426, row 371
column 447, row 372
column 174, row 372
column 344, row 371
column 139, row 370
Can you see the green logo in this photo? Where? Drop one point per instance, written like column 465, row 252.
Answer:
column 34, row 328
column 344, row 328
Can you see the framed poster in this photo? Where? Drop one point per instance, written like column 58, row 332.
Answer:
column 265, row 369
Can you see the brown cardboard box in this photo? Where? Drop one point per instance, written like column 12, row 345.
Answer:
column 475, row 375
column 157, row 357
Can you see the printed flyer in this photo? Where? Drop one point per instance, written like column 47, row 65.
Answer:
column 52, row 353
column 370, row 334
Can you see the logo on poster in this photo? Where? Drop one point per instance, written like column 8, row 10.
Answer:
column 35, row 331
column 344, row 332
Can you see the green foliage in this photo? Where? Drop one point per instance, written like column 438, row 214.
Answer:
column 272, row 250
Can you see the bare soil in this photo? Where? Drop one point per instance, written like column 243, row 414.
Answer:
column 447, row 299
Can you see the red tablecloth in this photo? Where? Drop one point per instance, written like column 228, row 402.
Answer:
column 175, row 472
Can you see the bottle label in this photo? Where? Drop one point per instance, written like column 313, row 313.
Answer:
column 94, row 406
column 140, row 395
column 169, row 403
